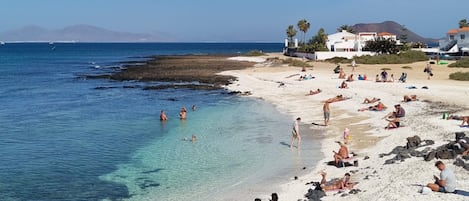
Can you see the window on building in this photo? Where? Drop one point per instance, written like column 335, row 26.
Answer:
column 451, row 37
column 463, row 36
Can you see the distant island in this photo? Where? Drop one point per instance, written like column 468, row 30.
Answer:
column 76, row 33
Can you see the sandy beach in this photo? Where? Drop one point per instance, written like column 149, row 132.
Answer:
column 398, row 181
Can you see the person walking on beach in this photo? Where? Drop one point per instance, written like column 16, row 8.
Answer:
column 163, row 116
column 353, row 65
column 327, row 113
column 447, row 181
column 296, row 133
column 428, row 70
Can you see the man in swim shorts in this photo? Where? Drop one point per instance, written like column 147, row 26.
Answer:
column 327, row 112
column 296, row 133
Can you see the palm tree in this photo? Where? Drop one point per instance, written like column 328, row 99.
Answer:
column 463, row 23
column 303, row 26
column 347, row 28
column 291, row 32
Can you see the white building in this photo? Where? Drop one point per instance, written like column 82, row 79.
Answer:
column 456, row 41
column 349, row 42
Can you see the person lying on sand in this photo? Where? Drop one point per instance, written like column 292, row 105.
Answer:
column 342, row 74
column 350, row 78
column 410, row 98
column 456, row 117
column 373, row 100
column 378, row 107
column 336, row 99
column 394, row 122
column 311, row 92
column 341, row 154
column 343, row 85
column 339, row 184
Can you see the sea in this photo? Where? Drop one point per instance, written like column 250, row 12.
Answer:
column 65, row 137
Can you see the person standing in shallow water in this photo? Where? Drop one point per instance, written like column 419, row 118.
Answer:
column 296, row 133
column 163, row 116
column 182, row 114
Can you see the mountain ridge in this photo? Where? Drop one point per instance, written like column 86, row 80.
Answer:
column 77, row 33
column 394, row 28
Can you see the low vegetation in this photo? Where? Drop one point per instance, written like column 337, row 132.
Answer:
column 337, row 60
column 402, row 58
column 296, row 62
column 254, row 53
column 464, row 63
column 385, row 69
column 406, row 67
column 461, row 76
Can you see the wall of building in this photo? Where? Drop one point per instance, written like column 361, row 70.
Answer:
column 348, row 55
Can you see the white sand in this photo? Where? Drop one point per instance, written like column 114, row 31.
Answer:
column 386, row 182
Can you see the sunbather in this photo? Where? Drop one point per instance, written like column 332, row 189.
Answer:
column 394, row 122
column 343, row 85
column 377, row 78
column 465, row 120
column 341, row 74
column 311, row 92
column 378, row 107
column 341, row 154
column 411, row 98
column 337, row 184
column 350, row 78
column 403, row 77
column 336, row 99
column 373, row 100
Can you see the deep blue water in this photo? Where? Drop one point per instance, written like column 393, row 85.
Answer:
column 59, row 136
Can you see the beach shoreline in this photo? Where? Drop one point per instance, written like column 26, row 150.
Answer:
column 369, row 139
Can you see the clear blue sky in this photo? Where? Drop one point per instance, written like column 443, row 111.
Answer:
column 231, row 20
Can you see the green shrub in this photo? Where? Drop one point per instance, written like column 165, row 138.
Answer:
column 402, row 58
column 459, row 76
column 406, row 67
column 464, row 63
column 254, row 53
column 296, row 62
column 336, row 60
column 385, row 69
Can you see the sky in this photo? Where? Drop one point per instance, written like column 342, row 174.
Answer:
column 231, row 20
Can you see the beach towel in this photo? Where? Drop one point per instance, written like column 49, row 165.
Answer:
column 461, row 192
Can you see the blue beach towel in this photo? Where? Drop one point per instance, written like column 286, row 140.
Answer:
column 461, row 192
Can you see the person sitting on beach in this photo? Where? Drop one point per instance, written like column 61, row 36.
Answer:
column 377, row 78
column 465, row 120
column 360, row 77
column 350, row 78
column 403, row 77
column 163, row 116
column 183, row 113
column 337, row 69
column 411, row 98
column 391, row 79
column 394, row 122
column 274, row 197
column 373, row 100
column 343, row 85
column 337, row 184
column 311, row 92
column 341, row 154
column 342, row 74
column 384, row 76
column 378, row 107
column 446, row 183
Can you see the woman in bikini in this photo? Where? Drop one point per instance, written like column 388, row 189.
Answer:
column 337, row 184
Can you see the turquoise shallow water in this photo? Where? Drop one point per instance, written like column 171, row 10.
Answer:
column 63, row 139
column 242, row 144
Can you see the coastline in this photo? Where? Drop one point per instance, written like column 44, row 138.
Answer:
column 368, row 137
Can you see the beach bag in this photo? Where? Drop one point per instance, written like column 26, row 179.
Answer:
column 413, row 142
column 459, row 135
column 445, row 154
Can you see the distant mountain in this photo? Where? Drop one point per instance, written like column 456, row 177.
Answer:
column 78, row 33
column 394, row 28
